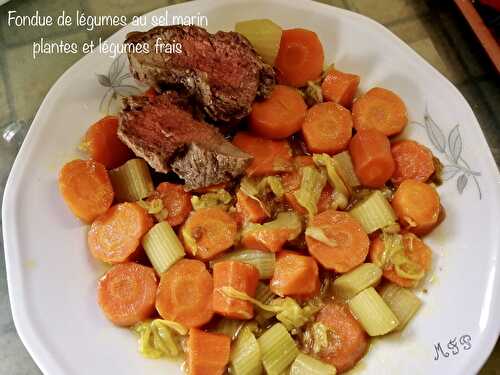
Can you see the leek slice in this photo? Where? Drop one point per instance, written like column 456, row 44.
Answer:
column 131, row 181
column 162, row 247
column 307, row 365
column 403, row 303
column 374, row 212
column 264, row 35
column 278, row 349
column 264, row 261
column 311, row 186
column 353, row 282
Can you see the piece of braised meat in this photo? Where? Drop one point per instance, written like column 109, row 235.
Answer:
column 222, row 71
column 163, row 131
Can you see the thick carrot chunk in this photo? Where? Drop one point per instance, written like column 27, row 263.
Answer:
column 340, row 87
column 208, row 353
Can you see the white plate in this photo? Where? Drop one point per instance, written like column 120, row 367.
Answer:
column 52, row 278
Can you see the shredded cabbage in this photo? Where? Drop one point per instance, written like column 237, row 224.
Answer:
column 318, row 234
column 394, row 255
column 158, row 338
column 326, row 161
column 212, row 199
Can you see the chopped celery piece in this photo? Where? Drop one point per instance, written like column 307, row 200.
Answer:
column 131, row 181
column 162, row 246
column 374, row 212
column 345, row 168
column 324, row 160
column 264, row 35
column 229, row 327
column 373, row 313
column 311, row 186
column 274, row 183
column 353, row 282
column 212, row 199
column 245, row 355
column 278, row 349
column 292, row 315
column 263, row 293
column 264, row 261
column 403, row 303
column 307, row 365
column 158, row 338
column 318, row 234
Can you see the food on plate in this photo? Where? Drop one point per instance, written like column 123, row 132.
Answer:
column 291, row 229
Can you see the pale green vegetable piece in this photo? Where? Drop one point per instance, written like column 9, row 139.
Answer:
column 284, row 220
column 159, row 338
column 307, row 365
column 131, row 181
column 154, row 206
column 212, row 199
column 312, row 183
column 162, row 247
column 264, row 35
column 353, row 282
column 373, row 313
column 344, row 167
column 245, row 354
column 278, row 349
column 374, row 212
column 292, row 315
column 264, row 261
column 403, row 303
column 229, row 327
column 324, row 160
column 319, row 235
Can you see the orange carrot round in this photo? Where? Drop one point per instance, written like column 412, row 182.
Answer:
column 413, row 162
column 300, row 57
column 414, row 249
column 417, row 206
column 86, row 188
column 349, row 246
column 103, row 145
column 280, row 115
column 348, row 342
column 185, row 293
column 115, row 236
column 340, row 87
column 207, row 353
column 327, row 128
column 126, row 293
column 240, row 276
column 213, row 231
column 380, row 109
column 371, row 154
column 176, row 202
column 251, row 209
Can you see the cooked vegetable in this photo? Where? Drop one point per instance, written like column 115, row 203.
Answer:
column 292, row 315
column 264, row 295
column 159, row 338
column 242, row 277
column 371, row 154
column 185, row 294
column 403, row 303
column 264, row 35
column 208, row 353
column 176, row 203
column 317, row 234
column 162, row 247
column 327, row 128
column 126, row 293
column 272, row 235
column 413, row 162
column 132, row 181
column 417, row 206
column 252, row 209
column 264, row 261
column 229, row 327
column 344, row 167
column 280, row 115
column 334, row 178
column 311, row 186
column 373, row 313
column 374, row 212
column 380, row 109
column 307, row 365
column 245, row 355
column 208, row 232
column 344, row 343
column 269, row 156
column 212, row 199
column 295, row 275
column 300, row 57
column 115, row 236
column 340, row 87
column 86, row 188
column 103, row 145
column 351, row 241
column 278, row 349
column 353, row 282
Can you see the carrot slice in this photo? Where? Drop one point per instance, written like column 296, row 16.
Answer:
column 240, row 276
column 213, row 231
column 126, row 293
column 86, row 188
column 294, row 275
column 380, row 109
column 176, row 202
column 414, row 248
column 413, row 162
column 185, row 293
column 300, row 57
column 208, row 353
column 280, row 115
column 103, row 145
column 347, row 342
column 327, row 128
column 251, row 209
column 269, row 157
column 371, row 154
column 115, row 236
column 151, row 93
column 349, row 246
column 417, row 206
column 340, row 87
